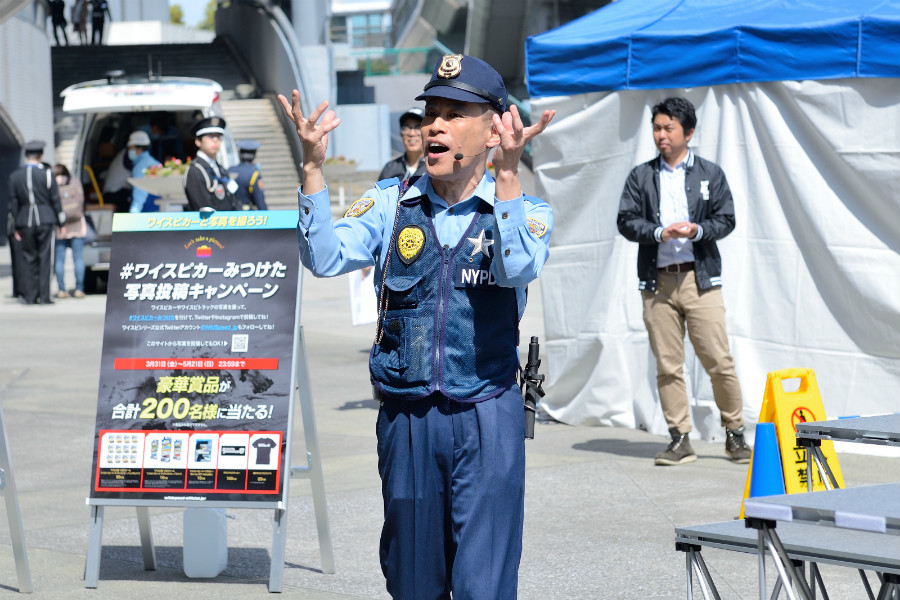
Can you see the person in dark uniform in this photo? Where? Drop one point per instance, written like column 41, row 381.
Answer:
column 412, row 161
column 15, row 246
column 454, row 251
column 249, row 176
column 58, row 18
column 99, row 12
column 206, row 182
column 36, row 210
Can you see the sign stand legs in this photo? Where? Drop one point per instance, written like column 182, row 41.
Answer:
column 95, row 544
column 13, row 514
column 312, row 471
column 95, row 539
column 279, row 536
column 147, row 549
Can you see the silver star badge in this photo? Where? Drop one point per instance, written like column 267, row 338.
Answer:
column 481, row 244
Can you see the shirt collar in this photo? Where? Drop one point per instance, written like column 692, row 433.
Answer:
column 686, row 163
column 484, row 191
column 204, row 156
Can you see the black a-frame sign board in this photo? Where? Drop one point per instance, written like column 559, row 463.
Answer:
column 203, row 361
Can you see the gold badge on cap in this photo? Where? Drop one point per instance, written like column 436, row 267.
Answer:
column 410, row 243
column 450, row 67
column 359, row 207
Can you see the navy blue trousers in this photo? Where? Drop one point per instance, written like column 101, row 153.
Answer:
column 453, row 481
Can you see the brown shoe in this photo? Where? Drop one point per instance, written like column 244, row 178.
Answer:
column 736, row 447
column 78, row 294
column 62, row 294
column 678, row 452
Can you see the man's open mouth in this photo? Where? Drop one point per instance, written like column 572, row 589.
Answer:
column 435, row 149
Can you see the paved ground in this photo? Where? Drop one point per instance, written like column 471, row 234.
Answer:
column 599, row 516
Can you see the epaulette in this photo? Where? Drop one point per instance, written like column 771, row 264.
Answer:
column 386, row 183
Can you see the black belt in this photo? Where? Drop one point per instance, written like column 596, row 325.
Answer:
column 678, row 268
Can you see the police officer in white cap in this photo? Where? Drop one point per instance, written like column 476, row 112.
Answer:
column 36, row 209
column 206, row 182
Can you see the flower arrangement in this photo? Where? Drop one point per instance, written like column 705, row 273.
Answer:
column 173, row 166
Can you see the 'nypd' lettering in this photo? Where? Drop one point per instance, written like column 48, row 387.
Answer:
column 473, row 276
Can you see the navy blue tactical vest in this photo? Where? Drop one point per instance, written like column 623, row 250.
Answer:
column 448, row 327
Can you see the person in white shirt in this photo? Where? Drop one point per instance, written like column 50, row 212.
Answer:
column 676, row 206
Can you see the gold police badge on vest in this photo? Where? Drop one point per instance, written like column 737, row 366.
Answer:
column 410, row 243
column 450, row 67
column 359, row 208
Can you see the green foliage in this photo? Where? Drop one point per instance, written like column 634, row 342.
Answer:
column 376, row 66
column 176, row 15
column 209, row 23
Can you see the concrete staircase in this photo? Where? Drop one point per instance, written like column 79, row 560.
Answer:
column 258, row 119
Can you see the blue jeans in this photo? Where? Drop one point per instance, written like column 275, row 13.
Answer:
column 77, row 246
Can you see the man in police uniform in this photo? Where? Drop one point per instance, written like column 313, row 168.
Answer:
column 35, row 209
column 206, row 182
column 453, row 252
column 248, row 175
column 412, row 161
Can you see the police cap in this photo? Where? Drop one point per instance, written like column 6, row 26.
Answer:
column 248, row 146
column 34, row 147
column 468, row 79
column 413, row 113
column 208, row 125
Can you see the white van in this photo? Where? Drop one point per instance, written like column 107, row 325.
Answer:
column 164, row 107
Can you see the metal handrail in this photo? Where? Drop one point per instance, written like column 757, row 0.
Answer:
column 94, row 184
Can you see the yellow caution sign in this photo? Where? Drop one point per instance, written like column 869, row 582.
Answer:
column 786, row 409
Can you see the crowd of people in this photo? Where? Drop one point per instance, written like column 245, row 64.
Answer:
column 81, row 12
column 46, row 217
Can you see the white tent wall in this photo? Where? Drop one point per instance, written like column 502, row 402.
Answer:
column 811, row 273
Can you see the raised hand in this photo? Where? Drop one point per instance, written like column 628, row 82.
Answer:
column 514, row 136
column 313, row 135
column 313, row 138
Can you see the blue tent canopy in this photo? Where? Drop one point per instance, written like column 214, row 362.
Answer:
column 653, row 44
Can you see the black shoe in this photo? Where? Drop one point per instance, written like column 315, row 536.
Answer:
column 678, row 452
column 736, row 447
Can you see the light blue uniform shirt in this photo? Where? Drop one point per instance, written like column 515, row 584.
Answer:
column 139, row 196
column 521, row 235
